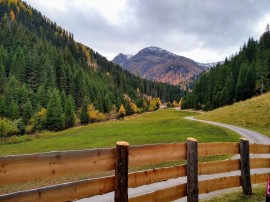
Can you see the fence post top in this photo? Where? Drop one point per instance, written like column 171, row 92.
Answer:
column 122, row 143
column 243, row 139
column 192, row 139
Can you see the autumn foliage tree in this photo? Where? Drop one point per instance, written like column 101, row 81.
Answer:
column 134, row 107
column 122, row 111
column 94, row 115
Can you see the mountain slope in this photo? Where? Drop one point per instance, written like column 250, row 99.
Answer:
column 45, row 74
column 160, row 65
column 121, row 59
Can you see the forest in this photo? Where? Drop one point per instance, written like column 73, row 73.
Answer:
column 48, row 81
column 240, row 77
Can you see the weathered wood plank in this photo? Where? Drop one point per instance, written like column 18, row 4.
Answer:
column 259, row 163
column 63, row 192
column 209, row 168
column 260, row 178
column 163, row 195
column 157, row 153
column 259, row 148
column 22, row 168
column 211, row 185
column 155, row 175
column 218, row 148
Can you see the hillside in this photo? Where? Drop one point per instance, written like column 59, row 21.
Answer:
column 157, row 64
column 49, row 81
column 240, row 77
column 252, row 113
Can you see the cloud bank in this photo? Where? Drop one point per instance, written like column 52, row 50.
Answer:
column 205, row 31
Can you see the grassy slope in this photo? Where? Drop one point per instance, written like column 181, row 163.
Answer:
column 158, row 127
column 253, row 113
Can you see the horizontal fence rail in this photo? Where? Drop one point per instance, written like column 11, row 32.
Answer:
column 22, row 168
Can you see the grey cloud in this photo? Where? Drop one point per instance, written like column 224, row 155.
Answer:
column 176, row 25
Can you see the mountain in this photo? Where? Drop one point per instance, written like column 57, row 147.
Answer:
column 160, row 65
column 121, row 59
column 48, row 80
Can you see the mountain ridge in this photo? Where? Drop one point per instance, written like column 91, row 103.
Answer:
column 157, row 64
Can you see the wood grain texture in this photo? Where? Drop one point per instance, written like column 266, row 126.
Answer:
column 63, row 192
column 209, row 168
column 259, row 163
column 163, row 195
column 22, row 168
column 259, row 148
column 218, row 148
column 155, row 175
column 157, row 153
column 211, row 185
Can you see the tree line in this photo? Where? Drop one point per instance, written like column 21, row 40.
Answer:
column 240, row 77
column 49, row 81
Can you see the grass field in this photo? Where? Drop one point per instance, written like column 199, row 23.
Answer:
column 162, row 126
column 253, row 114
column 237, row 196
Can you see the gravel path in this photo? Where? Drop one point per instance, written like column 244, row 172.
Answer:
column 252, row 136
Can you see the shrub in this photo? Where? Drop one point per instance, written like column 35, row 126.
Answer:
column 7, row 128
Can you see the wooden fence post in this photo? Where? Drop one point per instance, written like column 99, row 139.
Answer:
column 121, row 172
column 245, row 166
column 192, row 170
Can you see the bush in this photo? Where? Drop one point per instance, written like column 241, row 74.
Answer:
column 7, row 128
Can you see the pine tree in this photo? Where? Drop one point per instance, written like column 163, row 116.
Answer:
column 54, row 117
column 27, row 111
column 84, row 115
column 69, row 112
column 2, row 78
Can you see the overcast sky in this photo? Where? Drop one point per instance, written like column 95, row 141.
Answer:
column 203, row 30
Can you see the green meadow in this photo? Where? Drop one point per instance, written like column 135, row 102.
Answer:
column 162, row 126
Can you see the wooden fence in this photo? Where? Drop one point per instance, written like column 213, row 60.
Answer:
column 24, row 168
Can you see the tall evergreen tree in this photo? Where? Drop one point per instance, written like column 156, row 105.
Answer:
column 69, row 112
column 84, row 115
column 55, row 117
column 2, row 78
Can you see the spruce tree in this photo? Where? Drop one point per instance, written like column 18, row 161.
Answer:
column 2, row 78
column 27, row 111
column 54, row 117
column 84, row 115
column 69, row 112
